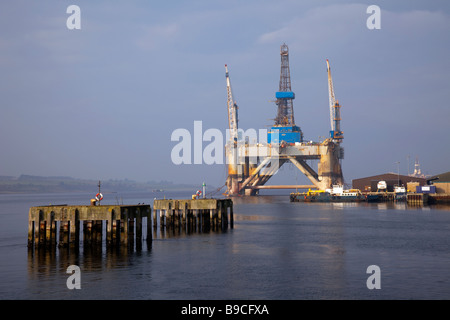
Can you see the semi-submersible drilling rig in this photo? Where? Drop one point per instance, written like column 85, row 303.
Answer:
column 251, row 165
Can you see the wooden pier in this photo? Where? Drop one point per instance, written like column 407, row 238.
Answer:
column 123, row 224
column 193, row 215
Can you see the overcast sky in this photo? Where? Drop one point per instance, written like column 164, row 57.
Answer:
column 102, row 102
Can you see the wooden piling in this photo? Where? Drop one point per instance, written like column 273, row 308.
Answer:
column 138, row 225
column 121, row 221
column 53, row 226
column 74, row 227
column 155, row 220
column 194, row 214
column 231, row 216
column 63, row 233
column 162, row 215
column 124, row 227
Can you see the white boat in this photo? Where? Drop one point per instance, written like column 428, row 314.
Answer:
column 381, row 185
column 335, row 194
column 339, row 194
column 399, row 190
column 400, row 193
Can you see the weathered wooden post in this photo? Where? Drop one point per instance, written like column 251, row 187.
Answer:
column 212, row 218
column 155, row 219
column 189, row 219
column 74, row 226
column 109, row 224
column 31, row 227
column 37, row 227
column 63, row 233
column 207, row 222
column 149, row 226
column 138, row 214
column 98, row 231
column 87, row 232
column 162, row 215
column 116, row 228
column 225, row 216
column 131, row 227
column 50, row 232
column 219, row 216
column 198, row 220
column 124, row 226
column 231, row 216
column 201, row 218
column 184, row 219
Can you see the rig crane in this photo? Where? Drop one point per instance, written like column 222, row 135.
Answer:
column 234, row 171
column 335, row 110
column 232, row 110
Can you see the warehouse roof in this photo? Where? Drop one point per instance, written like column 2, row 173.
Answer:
column 443, row 177
column 390, row 176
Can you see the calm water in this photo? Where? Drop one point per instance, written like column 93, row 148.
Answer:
column 276, row 250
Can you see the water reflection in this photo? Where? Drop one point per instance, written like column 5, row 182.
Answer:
column 439, row 207
column 185, row 231
column 44, row 262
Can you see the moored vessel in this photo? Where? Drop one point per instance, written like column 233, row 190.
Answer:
column 336, row 194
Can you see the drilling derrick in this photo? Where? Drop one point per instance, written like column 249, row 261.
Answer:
column 284, row 129
column 285, row 115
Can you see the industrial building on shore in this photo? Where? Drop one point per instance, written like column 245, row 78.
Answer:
column 441, row 182
column 369, row 184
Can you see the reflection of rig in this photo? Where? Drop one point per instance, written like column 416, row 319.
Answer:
column 251, row 165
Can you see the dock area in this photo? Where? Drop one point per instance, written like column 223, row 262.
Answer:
column 61, row 225
column 409, row 198
column 412, row 198
column 193, row 215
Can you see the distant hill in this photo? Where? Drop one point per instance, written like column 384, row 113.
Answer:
column 39, row 184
